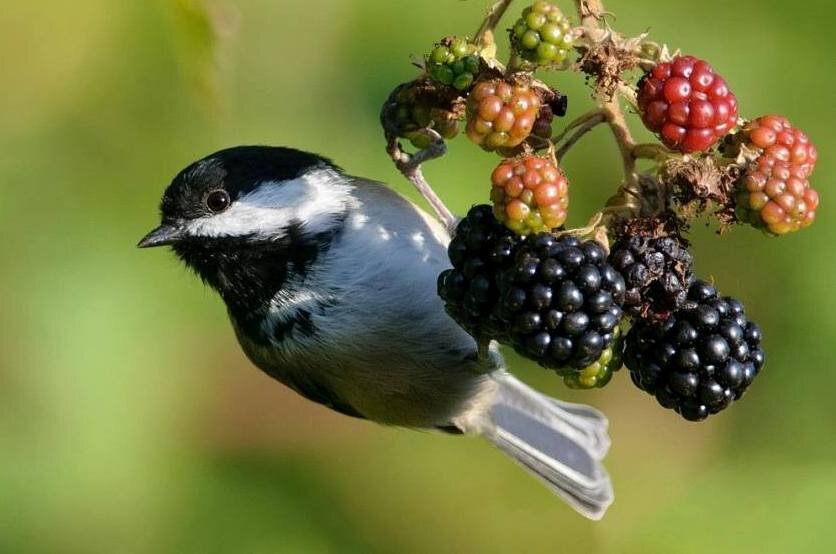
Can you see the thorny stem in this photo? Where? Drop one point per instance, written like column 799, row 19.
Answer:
column 490, row 22
column 591, row 13
column 588, row 123
column 410, row 166
column 581, row 120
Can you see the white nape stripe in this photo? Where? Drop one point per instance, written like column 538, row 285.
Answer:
column 313, row 199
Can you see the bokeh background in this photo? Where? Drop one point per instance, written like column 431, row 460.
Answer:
column 129, row 419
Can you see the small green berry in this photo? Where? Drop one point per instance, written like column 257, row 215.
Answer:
column 463, row 81
column 439, row 55
column 551, row 33
column 547, row 51
column 535, row 20
column 530, row 40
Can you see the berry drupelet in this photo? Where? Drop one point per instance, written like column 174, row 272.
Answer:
column 599, row 373
column 481, row 247
column 700, row 359
column 688, row 105
column 530, row 195
column 657, row 272
column 561, row 302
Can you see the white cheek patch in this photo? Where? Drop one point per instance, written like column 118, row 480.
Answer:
column 313, row 199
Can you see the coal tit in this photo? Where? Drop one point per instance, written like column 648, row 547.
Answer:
column 329, row 281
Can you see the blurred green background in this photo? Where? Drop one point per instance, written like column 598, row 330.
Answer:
column 129, row 419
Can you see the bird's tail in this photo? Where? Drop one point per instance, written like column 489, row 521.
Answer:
column 560, row 443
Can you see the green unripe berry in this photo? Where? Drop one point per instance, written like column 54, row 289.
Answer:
column 443, row 74
column 459, row 48
column 471, row 64
column 551, row 32
column 520, row 28
column 541, row 7
column 535, row 21
column 463, row 81
column 530, row 40
column 547, row 51
column 457, row 67
column 439, row 55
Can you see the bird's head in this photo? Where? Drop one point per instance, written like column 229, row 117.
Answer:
column 246, row 217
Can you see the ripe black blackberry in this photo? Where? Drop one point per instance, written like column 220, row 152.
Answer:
column 560, row 302
column 657, row 272
column 481, row 247
column 701, row 359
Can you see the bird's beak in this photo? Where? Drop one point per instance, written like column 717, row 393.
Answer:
column 161, row 236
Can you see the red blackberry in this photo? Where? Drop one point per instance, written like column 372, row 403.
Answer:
column 774, row 193
column 657, row 272
column 701, row 359
column 530, row 195
column 501, row 114
column 480, row 248
column 686, row 104
column 560, row 302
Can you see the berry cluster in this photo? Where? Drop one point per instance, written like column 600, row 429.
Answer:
column 530, row 195
column 454, row 62
column 775, row 192
column 657, row 272
column 688, row 105
column 501, row 114
column 561, row 301
column 558, row 297
column 701, row 358
column 543, row 35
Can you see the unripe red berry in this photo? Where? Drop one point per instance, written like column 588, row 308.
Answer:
column 688, row 105
column 775, row 193
column 530, row 195
column 501, row 114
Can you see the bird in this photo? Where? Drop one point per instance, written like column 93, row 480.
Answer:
column 329, row 281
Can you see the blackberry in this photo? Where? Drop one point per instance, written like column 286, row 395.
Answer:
column 701, row 359
column 599, row 373
column 481, row 247
column 657, row 272
column 560, row 302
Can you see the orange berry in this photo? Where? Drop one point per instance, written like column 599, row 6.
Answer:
column 535, row 194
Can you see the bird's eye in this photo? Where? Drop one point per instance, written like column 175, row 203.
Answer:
column 217, row 201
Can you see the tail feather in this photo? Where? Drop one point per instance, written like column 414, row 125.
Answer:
column 560, row 443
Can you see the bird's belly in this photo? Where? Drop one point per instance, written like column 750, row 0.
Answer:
column 388, row 390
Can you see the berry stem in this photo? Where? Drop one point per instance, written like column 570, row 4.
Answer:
column 486, row 29
column 591, row 120
column 651, row 151
column 410, row 167
column 592, row 13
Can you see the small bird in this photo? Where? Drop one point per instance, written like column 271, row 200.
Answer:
column 330, row 284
